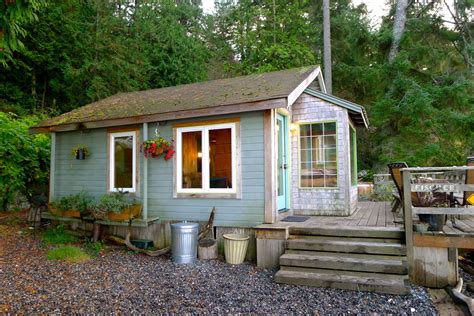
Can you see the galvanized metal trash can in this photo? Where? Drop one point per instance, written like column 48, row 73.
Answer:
column 184, row 238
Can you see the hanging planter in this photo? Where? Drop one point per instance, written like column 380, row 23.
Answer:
column 80, row 152
column 158, row 147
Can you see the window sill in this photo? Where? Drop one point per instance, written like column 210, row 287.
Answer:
column 207, row 196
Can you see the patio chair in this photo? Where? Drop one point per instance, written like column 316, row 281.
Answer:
column 469, row 180
column 396, row 173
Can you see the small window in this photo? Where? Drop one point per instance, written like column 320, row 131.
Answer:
column 318, row 155
column 123, row 150
column 206, row 159
column 353, row 140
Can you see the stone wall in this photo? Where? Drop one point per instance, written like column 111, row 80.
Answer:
column 342, row 199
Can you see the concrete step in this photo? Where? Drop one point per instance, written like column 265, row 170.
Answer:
column 351, row 231
column 380, row 240
column 345, row 263
column 345, row 280
column 347, row 246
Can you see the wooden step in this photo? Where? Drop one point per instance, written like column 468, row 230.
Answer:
column 380, row 240
column 347, row 246
column 351, row 231
column 401, row 277
column 345, row 255
column 348, row 263
column 372, row 283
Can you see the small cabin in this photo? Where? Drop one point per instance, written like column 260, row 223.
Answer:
column 257, row 147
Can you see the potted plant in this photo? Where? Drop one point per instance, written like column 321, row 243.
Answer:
column 157, row 147
column 80, row 152
column 75, row 205
column 116, row 206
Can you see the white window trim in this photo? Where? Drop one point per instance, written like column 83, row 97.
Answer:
column 205, row 159
column 112, row 137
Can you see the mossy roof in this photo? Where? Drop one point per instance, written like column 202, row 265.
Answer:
column 188, row 97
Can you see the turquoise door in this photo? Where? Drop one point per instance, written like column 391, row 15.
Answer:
column 282, row 163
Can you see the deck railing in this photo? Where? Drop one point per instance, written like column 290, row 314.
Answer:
column 450, row 180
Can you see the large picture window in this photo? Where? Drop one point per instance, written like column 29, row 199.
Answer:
column 318, row 155
column 123, row 155
column 206, row 159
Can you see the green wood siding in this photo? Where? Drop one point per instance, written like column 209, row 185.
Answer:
column 247, row 211
column 90, row 175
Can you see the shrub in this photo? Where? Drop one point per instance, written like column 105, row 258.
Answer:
column 81, row 202
column 70, row 254
column 114, row 202
column 24, row 160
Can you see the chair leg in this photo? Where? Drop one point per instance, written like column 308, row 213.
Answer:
column 396, row 205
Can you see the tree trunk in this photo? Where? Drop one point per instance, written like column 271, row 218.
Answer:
column 327, row 47
column 398, row 28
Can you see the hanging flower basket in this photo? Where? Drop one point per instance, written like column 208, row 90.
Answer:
column 158, row 147
column 80, row 152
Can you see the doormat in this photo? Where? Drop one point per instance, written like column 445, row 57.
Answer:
column 297, row 219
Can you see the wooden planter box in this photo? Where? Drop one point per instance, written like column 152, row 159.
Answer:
column 68, row 213
column 127, row 214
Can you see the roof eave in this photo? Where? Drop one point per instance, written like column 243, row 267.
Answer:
column 271, row 103
column 350, row 106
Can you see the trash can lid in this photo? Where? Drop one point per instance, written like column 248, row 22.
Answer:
column 184, row 224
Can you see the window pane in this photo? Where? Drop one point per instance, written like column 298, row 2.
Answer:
column 192, row 159
column 220, row 158
column 331, row 181
column 316, row 129
column 123, row 164
column 305, row 143
column 305, row 130
column 318, row 155
column 329, row 128
column 330, row 141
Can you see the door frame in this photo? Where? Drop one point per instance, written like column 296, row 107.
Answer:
column 283, row 203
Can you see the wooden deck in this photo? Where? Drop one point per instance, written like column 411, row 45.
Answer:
column 374, row 214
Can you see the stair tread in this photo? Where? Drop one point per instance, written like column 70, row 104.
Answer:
column 351, row 231
column 364, row 283
column 368, row 239
column 349, row 242
column 403, row 277
column 346, row 254
column 329, row 257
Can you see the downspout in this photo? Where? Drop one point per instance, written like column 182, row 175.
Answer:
column 52, row 166
column 145, row 176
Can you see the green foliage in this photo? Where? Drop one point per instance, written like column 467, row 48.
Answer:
column 71, row 254
column 57, row 235
column 114, row 202
column 14, row 14
column 24, row 160
column 81, row 202
column 93, row 248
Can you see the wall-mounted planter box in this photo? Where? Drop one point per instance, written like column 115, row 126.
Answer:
column 67, row 213
column 129, row 213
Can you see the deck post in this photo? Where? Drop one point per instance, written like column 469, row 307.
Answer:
column 407, row 212
column 145, row 176
column 52, row 166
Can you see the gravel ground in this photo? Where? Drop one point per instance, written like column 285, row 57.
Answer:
column 124, row 282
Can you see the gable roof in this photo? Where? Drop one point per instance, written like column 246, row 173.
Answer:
column 246, row 93
column 356, row 112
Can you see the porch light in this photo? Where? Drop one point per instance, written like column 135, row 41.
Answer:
column 199, row 154
column 293, row 128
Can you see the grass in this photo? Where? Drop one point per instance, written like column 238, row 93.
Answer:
column 71, row 254
column 57, row 236
column 93, row 248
